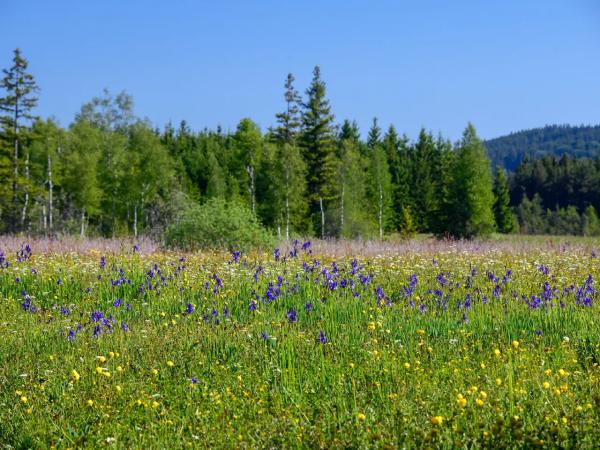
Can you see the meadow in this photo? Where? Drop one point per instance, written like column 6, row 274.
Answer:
column 424, row 344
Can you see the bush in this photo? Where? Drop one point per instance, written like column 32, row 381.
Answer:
column 217, row 224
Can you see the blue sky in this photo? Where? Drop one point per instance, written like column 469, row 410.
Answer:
column 505, row 65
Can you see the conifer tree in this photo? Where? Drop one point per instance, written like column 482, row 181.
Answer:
column 505, row 219
column 374, row 137
column 473, row 198
column 319, row 151
column 16, row 106
column 423, row 192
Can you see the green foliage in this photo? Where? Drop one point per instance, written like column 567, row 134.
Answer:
column 591, row 223
column 473, row 198
column 552, row 140
column 317, row 140
column 217, row 224
column 505, row 219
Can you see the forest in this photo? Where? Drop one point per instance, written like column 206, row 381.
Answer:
column 111, row 173
column 552, row 140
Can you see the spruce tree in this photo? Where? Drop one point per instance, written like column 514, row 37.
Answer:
column 289, row 121
column 16, row 106
column 473, row 198
column 317, row 139
column 374, row 137
column 505, row 219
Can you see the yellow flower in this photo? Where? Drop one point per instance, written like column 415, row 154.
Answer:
column 498, row 381
column 90, row 402
column 170, row 363
column 101, row 359
column 420, row 331
column 479, row 402
column 496, row 352
column 546, row 385
column 154, row 372
column 155, row 404
column 119, row 388
column 23, row 399
column 406, row 365
column 462, row 402
column 372, row 326
column 75, row 375
column 111, row 354
column 437, row 420
column 565, row 420
column 515, row 344
column 361, row 417
column 119, row 369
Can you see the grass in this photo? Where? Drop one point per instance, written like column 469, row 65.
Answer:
column 462, row 359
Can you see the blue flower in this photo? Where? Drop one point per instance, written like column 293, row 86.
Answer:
column 322, row 337
column 292, row 316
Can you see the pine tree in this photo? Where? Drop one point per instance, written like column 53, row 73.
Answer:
column 288, row 203
column 20, row 88
column 319, row 151
column 374, row 137
column 289, row 121
column 423, row 162
column 505, row 219
column 473, row 198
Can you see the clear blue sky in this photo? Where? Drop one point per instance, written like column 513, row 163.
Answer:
column 505, row 65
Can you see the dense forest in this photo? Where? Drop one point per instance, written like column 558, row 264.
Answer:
column 109, row 173
column 552, row 140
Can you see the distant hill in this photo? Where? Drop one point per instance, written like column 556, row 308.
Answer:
column 508, row 151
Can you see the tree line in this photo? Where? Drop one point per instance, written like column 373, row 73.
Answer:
column 111, row 173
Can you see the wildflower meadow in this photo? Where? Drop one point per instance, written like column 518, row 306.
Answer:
column 303, row 346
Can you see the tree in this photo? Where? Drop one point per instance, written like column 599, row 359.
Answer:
column 591, row 223
column 148, row 170
column 374, row 137
column 423, row 193
column 354, row 218
column 506, row 221
column 317, row 140
column 379, row 188
column 248, row 143
column 473, row 198
column 19, row 101
column 289, row 121
column 80, row 178
column 112, row 116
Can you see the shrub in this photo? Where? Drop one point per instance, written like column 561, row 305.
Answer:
column 217, row 224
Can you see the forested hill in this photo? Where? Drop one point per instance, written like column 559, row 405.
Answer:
column 556, row 140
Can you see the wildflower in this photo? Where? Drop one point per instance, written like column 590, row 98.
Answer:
column 372, row 326
column 119, row 369
column 421, row 332
column 462, row 402
column 292, row 316
column 496, row 352
column 170, row 363
column 322, row 337
column 437, row 420
column 23, row 399
column 515, row 344
column 155, row 404
column 546, row 385
column 75, row 375
column 154, row 372
column 361, row 417
column 90, row 403
column 406, row 365
column 101, row 359
column 194, row 380
column 479, row 402
column 498, row 381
